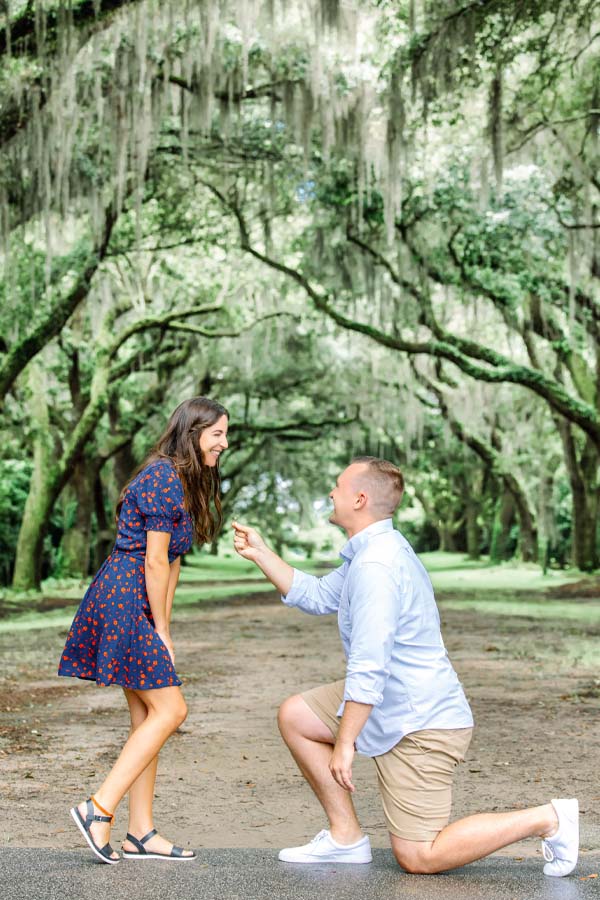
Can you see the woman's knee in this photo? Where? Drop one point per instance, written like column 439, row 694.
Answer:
column 179, row 713
column 170, row 711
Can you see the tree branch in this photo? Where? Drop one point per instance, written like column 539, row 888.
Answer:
column 304, row 429
column 485, row 452
column 149, row 322
column 22, row 29
column 54, row 321
column 459, row 351
column 261, row 90
column 210, row 333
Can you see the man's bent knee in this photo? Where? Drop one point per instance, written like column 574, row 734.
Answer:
column 295, row 717
column 415, row 858
column 287, row 715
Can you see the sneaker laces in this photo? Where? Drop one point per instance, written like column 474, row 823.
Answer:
column 548, row 851
column 319, row 837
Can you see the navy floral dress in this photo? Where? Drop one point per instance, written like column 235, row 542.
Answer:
column 112, row 639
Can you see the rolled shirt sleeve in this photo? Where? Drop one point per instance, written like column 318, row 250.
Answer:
column 375, row 608
column 316, row 596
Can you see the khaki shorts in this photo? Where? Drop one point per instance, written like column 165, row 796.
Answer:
column 415, row 776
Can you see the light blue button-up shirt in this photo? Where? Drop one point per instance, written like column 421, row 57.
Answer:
column 390, row 628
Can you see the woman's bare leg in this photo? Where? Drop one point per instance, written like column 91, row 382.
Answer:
column 166, row 710
column 141, row 792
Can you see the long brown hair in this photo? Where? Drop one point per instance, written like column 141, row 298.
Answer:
column 180, row 443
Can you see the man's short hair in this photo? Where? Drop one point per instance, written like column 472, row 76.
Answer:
column 387, row 481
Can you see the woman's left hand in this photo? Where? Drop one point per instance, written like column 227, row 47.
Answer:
column 166, row 639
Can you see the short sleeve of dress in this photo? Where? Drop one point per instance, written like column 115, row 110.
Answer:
column 159, row 496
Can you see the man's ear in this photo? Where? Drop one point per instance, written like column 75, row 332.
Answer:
column 361, row 500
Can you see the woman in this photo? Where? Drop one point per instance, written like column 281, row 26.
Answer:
column 120, row 634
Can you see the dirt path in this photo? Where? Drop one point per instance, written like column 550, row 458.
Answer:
column 227, row 781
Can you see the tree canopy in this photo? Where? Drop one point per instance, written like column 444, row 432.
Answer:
column 365, row 226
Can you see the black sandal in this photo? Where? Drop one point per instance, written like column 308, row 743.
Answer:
column 141, row 853
column 84, row 825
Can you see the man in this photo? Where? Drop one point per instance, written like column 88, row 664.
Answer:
column 400, row 703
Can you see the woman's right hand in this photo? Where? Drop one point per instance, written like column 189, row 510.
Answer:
column 166, row 639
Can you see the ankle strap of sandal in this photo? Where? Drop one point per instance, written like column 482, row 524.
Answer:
column 102, row 810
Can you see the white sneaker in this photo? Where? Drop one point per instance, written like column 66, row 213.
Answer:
column 561, row 850
column 323, row 848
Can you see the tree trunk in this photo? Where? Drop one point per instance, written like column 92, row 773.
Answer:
column 76, row 540
column 447, row 536
column 585, row 544
column 124, row 465
column 470, row 485
column 50, row 476
column 528, row 539
column 34, row 524
column 528, row 542
column 38, row 506
column 105, row 535
column 585, row 524
column 471, row 513
column 583, row 477
column 503, row 520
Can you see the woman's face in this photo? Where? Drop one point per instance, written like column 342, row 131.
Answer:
column 213, row 440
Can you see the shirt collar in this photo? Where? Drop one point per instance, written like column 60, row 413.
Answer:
column 352, row 546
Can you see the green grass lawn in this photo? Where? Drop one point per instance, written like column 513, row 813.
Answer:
column 186, row 597
column 455, row 572
column 199, row 567
column 500, row 604
column 470, row 584
column 218, row 568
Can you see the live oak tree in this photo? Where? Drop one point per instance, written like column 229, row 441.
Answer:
column 456, row 241
column 421, row 176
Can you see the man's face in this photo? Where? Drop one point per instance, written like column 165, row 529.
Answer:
column 344, row 496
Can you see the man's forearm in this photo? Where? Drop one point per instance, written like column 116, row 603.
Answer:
column 279, row 573
column 353, row 721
